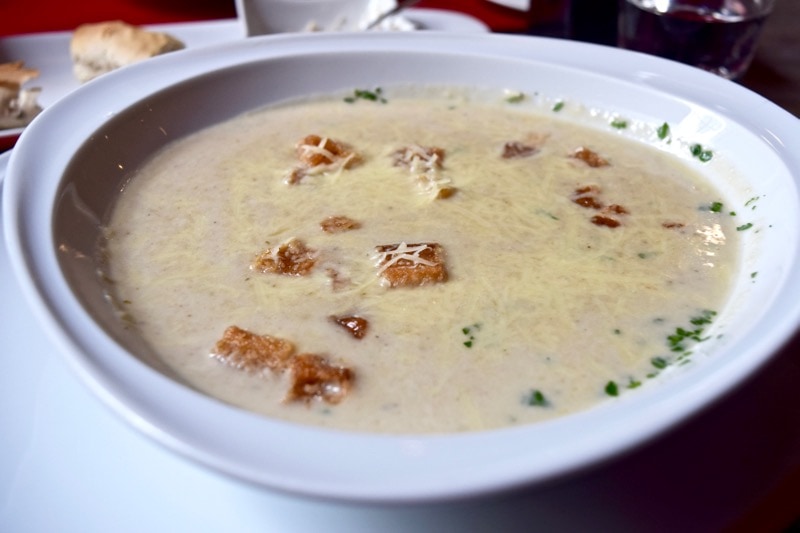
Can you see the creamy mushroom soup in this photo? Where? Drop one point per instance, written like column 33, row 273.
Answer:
column 418, row 263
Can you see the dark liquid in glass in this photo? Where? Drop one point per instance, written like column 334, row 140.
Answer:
column 716, row 41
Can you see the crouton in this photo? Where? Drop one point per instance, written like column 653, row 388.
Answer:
column 247, row 351
column 410, row 265
column 291, row 258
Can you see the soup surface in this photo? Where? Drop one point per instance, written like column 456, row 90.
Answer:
column 449, row 263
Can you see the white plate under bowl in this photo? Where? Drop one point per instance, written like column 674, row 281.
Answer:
column 151, row 103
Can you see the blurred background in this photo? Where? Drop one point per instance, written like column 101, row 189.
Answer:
column 775, row 72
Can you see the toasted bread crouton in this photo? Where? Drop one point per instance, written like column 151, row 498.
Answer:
column 314, row 376
column 291, row 258
column 339, row 224
column 415, row 157
column 518, row 150
column 315, row 151
column 244, row 350
column 593, row 159
column 319, row 155
column 589, row 196
column 410, row 265
column 424, row 164
column 355, row 325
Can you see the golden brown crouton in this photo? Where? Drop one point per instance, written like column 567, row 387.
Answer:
column 589, row 157
column 587, row 196
column 292, row 258
column 517, row 150
column 355, row 325
column 424, row 164
column 242, row 349
column 314, row 151
column 410, row 265
column 409, row 157
column 319, row 155
column 339, row 224
column 314, row 377
column 603, row 220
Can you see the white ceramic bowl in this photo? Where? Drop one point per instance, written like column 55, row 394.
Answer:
column 69, row 164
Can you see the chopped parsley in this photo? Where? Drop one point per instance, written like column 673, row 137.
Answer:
column 701, row 154
column 536, row 399
column 619, row 124
column 659, row 362
column 558, row 106
column 663, row 131
column 632, row 383
column 468, row 331
column 363, row 94
column 744, row 226
column 677, row 341
column 716, row 207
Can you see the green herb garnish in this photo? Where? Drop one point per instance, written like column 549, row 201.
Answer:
column 612, row 389
column 744, row 226
column 701, row 154
column 677, row 341
column 663, row 131
column 619, row 124
column 467, row 331
column 659, row 362
column 558, row 106
column 536, row 399
column 370, row 96
column 716, row 207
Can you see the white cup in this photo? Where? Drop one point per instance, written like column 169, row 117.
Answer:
column 260, row 17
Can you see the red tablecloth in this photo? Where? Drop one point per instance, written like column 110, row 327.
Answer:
column 18, row 17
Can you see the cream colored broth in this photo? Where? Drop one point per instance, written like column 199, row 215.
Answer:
column 562, row 306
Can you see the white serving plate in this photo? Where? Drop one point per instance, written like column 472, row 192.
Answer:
column 49, row 52
column 414, row 468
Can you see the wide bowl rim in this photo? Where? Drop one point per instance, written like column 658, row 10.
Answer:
column 422, row 476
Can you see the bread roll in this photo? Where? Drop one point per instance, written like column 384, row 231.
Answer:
column 18, row 106
column 102, row 47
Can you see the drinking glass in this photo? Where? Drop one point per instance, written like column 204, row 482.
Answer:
column 716, row 35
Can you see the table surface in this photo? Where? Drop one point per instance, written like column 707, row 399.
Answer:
column 775, row 74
